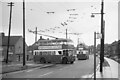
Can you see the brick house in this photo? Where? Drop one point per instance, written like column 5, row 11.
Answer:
column 114, row 46
column 15, row 47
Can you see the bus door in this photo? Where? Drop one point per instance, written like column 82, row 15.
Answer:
column 57, row 56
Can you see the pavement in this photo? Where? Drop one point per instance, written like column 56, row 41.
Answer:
column 110, row 70
column 18, row 66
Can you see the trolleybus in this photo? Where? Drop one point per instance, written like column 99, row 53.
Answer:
column 57, row 51
column 82, row 52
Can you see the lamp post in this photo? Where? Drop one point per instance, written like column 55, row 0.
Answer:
column 99, row 36
column 94, row 55
column 102, row 39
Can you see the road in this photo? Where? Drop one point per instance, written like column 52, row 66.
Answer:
column 79, row 69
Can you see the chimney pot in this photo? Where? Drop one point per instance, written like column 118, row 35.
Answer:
column 40, row 37
column 2, row 34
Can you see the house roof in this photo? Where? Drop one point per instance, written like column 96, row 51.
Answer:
column 32, row 47
column 114, row 43
column 13, row 40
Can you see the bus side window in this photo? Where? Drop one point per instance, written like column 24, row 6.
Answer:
column 60, row 52
column 63, row 52
column 40, row 53
column 54, row 53
column 35, row 53
column 81, row 52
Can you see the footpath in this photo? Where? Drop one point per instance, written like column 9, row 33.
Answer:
column 110, row 70
column 18, row 66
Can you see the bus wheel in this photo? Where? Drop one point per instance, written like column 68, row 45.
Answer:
column 64, row 60
column 71, row 62
column 42, row 60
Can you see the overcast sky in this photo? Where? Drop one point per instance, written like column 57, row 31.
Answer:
column 37, row 16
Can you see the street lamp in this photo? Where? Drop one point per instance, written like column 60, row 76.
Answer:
column 96, row 36
column 102, row 33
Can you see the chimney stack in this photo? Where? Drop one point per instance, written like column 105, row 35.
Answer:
column 40, row 37
column 2, row 34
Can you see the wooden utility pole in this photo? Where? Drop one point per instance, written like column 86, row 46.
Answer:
column 9, row 4
column 102, row 39
column 24, row 33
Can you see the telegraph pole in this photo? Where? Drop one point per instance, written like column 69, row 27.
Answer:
column 102, row 39
column 23, row 32
column 9, row 4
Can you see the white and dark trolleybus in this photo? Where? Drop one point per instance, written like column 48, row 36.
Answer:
column 56, row 51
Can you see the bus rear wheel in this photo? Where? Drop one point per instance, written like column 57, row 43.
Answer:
column 42, row 60
column 64, row 60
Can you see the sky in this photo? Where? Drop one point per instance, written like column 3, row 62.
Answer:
column 36, row 16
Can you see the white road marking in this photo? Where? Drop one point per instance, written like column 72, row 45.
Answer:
column 46, row 74
column 29, row 70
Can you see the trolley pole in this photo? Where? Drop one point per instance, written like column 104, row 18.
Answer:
column 9, row 4
column 23, row 32
column 94, row 55
column 78, row 40
column 66, row 33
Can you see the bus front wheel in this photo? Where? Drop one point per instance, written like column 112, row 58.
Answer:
column 72, row 62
